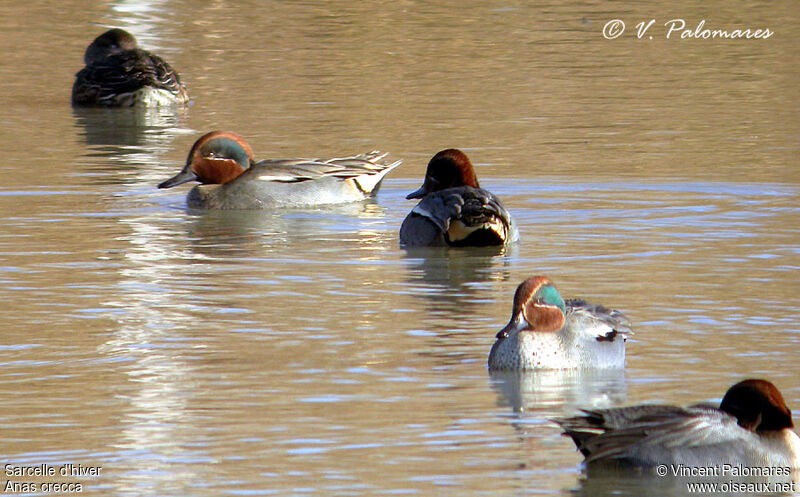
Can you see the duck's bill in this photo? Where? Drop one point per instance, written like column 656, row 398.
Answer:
column 418, row 193
column 517, row 323
column 179, row 179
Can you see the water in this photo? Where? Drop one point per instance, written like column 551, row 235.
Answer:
column 305, row 352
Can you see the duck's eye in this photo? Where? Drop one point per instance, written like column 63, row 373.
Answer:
column 541, row 303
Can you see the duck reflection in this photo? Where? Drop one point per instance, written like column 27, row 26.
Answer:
column 128, row 127
column 453, row 285
column 454, row 267
column 554, row 392
column 452, row 280
column 134, row 136
column 618, row 482
column 247, row 233
column 549, row 394
column 605, row 480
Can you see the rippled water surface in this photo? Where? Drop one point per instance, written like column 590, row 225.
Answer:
column 306, row 353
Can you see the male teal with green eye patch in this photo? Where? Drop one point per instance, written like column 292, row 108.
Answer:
column 230, row 178
column 547, row 332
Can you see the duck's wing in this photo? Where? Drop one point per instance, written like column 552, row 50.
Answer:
column 640, row 433
column 164, row 76
column 474, row 207
column 605, row 324
column 296, row 170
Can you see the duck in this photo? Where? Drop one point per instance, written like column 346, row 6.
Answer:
column 222, row 161
column 120, row 74
column 752, row 427
column 454, row 210
column 548, row 332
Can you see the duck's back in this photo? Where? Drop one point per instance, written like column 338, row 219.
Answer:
column 296, row 183
column 127, row 78
column 460, row 216
column 598, row 325
column 649, row 435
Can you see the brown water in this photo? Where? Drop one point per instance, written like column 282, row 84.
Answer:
column 297, row 353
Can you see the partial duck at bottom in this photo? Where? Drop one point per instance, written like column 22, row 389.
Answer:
column 752, row 428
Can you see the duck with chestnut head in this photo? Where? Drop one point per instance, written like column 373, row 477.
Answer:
column 752, row 427
column 454, row 210
column 230, row 178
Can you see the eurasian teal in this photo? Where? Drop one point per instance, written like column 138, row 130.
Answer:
column 547, row 332
column 752, row 428
column 454, row 210
column 120, row 74
column 223, row 162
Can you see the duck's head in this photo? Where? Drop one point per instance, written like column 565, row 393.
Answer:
column 537, row 307
column 447, row 169
column 216, row 158
column 757, row 405
column 112, row 41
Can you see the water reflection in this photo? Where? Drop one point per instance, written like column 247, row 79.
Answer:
column 128, row 126
column 156, row 424
column 452, row 282
column 246, row 233
column 453, row 288
column 452, row 267
column 556, row 392
column 536, row 397
column 131, row 136
column 147, row 20
column 628, row 481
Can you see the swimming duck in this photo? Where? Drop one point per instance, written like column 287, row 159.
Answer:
column 454, row 209
column 547, row 332
column 231, row 179
column 120, row 74
column 751, row 428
